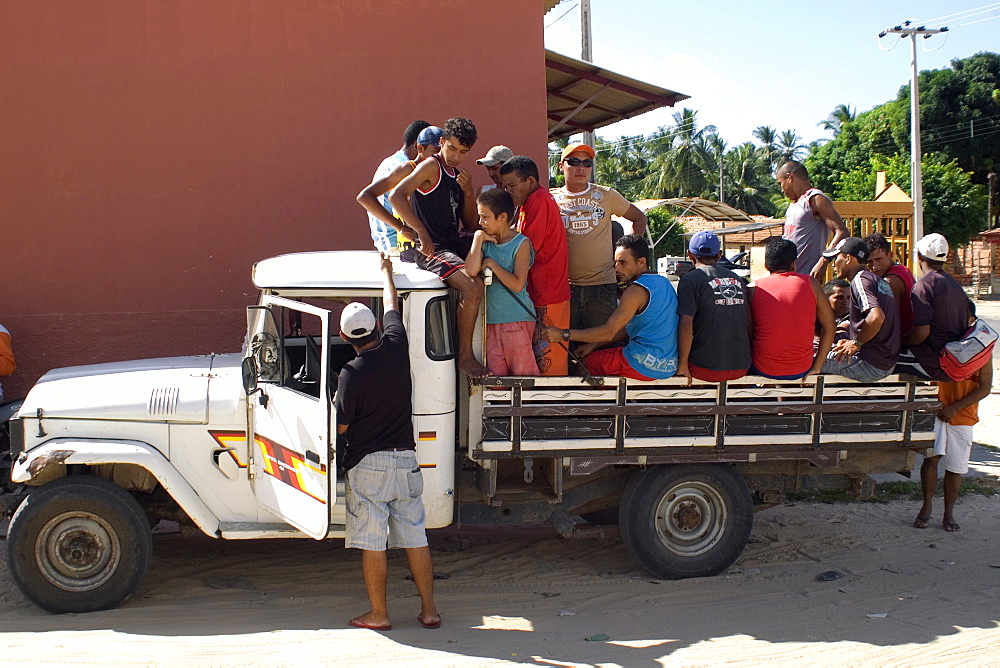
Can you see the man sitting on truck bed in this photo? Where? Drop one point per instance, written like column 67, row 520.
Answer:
column 646, row 320
column 384, row 482
column 785, row 306
column 870, row 350
column 715, row 319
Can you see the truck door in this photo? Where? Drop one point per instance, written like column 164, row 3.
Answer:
column 289, row 418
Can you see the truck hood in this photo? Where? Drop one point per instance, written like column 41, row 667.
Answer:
column 172, row 389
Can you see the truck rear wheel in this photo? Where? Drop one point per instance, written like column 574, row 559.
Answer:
column 686, row 521
column 78, row 544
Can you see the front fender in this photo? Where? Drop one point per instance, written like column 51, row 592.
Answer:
column 86, row 451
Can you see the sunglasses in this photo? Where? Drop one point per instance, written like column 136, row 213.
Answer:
column 577, row 162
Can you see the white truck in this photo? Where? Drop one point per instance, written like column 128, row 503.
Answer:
column 242, row 445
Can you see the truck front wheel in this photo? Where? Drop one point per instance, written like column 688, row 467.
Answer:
column 78, row 544
column 686, row 521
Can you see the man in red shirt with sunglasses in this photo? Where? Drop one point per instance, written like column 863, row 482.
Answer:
column 586, row 212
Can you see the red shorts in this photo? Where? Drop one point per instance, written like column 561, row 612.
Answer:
column 508, row 349
column 712, row 376
column 611, row 362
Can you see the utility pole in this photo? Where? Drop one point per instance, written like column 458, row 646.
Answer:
column 586, row 53
column 917, row 192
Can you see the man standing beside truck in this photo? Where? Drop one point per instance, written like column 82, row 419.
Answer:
column 383, row 481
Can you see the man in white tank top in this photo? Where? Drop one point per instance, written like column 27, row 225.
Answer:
column 809, row 220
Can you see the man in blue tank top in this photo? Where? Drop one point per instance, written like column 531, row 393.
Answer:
column 639, row 340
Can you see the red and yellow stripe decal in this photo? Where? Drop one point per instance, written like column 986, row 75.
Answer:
column 278, row 461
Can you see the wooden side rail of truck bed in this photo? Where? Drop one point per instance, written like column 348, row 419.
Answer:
column 561, row 417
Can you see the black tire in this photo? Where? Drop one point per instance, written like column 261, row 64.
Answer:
column 686, row 521
column 78, row 544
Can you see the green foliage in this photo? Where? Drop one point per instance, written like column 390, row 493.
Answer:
column 959, row 117
column 662, row 222
column 953, row 205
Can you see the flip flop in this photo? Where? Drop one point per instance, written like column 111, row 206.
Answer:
column 429, row 625
column 951, row 526
column 922, row 522
column 359, row 622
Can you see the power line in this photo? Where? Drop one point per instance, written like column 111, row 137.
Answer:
column 964, row 14
column 563, row 15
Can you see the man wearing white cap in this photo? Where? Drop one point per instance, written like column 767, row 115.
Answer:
column 940, row 312
column 493, row 161
column 587, row 209
column 383, row 482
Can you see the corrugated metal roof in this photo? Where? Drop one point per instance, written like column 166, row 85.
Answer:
column 583, row 97
column 549, row 4
column 696, row 206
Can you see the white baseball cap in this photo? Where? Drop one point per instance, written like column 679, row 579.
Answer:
column 933, row 247
column 496, row 155
column 357, row 320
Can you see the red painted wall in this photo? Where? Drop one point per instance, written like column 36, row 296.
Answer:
column 153, row 150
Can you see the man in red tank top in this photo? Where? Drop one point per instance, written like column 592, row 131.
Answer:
column 785, row 306
column 898, row 277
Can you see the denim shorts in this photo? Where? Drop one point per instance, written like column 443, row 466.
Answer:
column 592, row 305
column 854, row 368
column 383, row 502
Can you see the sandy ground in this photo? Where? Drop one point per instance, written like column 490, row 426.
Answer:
column 524, row 596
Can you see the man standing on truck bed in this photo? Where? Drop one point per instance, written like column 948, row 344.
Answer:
column 436, row 200
column 384, row 483
column 586, row 212
column 809, row 219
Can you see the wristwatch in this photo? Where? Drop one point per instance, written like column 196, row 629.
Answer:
column 565, row 335
column 858, row 344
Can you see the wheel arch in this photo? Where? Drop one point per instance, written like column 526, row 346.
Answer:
column 49, row 462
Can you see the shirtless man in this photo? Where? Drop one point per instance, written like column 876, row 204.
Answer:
column 436, row 200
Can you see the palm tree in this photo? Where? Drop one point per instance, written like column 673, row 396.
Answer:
column 841, row 114
column 680, row 159
column 790, row 146
column 768, row 137
column 749, row 183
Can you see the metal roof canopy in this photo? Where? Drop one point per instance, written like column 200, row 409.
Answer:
column 582, row 97
column 738, row 229
column 696, row 206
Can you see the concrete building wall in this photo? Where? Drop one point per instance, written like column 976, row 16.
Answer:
column 152, row 151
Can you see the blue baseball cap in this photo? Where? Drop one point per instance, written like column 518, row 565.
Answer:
column 704, row 243
column 430, row 136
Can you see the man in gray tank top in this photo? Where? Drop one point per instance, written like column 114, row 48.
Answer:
column 809, row 220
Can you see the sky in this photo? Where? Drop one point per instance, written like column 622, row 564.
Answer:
column 783, row 64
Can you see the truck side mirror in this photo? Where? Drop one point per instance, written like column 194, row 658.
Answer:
column 249, row 368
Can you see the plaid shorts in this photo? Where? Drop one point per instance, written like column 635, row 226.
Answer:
column 383, row 502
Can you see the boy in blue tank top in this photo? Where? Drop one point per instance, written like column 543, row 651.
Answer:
column 510, row 322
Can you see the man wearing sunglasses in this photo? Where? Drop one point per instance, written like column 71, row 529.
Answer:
column 587, row 209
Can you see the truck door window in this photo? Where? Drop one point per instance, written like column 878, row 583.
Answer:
column 264, row 344
column 440, row 328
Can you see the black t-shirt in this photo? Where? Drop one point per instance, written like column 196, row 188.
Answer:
column 717, row 300
column 374, row 396
column 939, row 301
